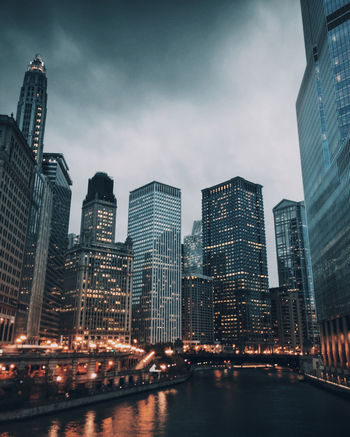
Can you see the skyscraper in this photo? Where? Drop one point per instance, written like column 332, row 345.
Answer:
column 31, row 108
column 197, row 309
column 294, row 264
column 155, row 228
column 98, row 274
column 56, row 169
column 99, row 211
column 286, row 320
column 234, row 255
column 193, row 250
column 16, row 179
column 31, row 116
column 323, row 114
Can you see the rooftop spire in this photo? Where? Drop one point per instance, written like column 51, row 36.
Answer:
column 37, row 64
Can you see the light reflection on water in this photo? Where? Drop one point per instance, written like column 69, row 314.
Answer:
column 241, row 403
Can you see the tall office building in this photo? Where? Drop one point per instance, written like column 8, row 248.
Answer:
column 99, row 211
column 193, row 250
column 31, row 108
column 323, row 114
column 31, row 116
column 55, row 168
column 197, row 309
column 234, row 255
column 294, row 264
column 16, row 179
column 155, row 228
column 286, row 320
column 98, row 274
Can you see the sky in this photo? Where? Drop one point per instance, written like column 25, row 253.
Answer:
column 190, row 93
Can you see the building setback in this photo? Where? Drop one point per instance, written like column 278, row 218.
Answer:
column 323, row 115
column 155, row 228
column 234, row 255
column 294, row 264
column 98, row 274
column 16, row 179
column 55, row 168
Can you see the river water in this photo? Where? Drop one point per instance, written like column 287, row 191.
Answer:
column 238, row 403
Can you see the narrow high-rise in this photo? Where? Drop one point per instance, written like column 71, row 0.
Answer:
column 323, row 114
column 155, row 228
column 294, row 265
column 55, row 168
column 31, row 116
column 98, row 274
column 234, row 255
column 31, row 108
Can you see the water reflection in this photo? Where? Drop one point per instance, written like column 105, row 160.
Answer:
column 249, row 403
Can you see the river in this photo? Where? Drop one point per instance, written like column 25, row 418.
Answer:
column 237, row 403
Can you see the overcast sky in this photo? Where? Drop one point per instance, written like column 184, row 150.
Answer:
column 190, row 93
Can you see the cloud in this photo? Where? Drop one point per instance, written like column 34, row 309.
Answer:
column 189, row 93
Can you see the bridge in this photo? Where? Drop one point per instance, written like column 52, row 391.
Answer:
column 208, row 359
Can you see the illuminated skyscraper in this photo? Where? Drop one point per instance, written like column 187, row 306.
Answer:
column 99, row 211
column 323, row 113
column 155, row 228
column 98, row 273
column 56, row 169
column 31, row 116
column 197, row 309
column 31, row 108
column 234, row 255
column 16, row 179
column 294, row 265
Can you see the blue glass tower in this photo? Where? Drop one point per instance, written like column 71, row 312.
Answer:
column 294, row 266
column 323, row 113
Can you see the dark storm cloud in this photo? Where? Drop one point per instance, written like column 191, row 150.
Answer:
column 187, row 92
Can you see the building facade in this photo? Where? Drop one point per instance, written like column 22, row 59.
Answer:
column 323, row 114
column 234, row 255
column 197, row 309
column 98, row 274
column 16, row 179
column 294, row 265
column 154, row 226
column 55, row 168
column 286, row 320
column 193, row 250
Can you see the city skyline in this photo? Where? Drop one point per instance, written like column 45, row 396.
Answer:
column 151, row 108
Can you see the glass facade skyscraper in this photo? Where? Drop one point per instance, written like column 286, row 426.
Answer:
column 234, row 255
column 55, row 168
column 323, row 113
column 294, row 265
column 155, row 228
